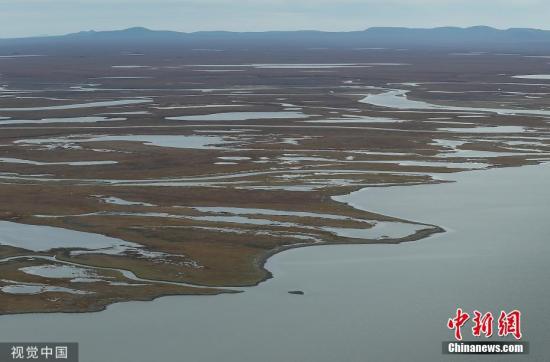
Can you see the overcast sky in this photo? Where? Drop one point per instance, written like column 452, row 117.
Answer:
column 49, row 17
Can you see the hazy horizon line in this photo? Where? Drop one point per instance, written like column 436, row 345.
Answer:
column 269, row 31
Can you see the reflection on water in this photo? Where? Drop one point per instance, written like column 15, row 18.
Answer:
column 68, row 163
column 121, row 102
column 43, row 238
column 175, row 141
column 89, row 119
column 398, row 99
column 362, row 119
column 59, row 271
column 361, row 302
column 533, row 76
column 36, row 288
column 496, row 129
column 380, row 230
column 239, row 116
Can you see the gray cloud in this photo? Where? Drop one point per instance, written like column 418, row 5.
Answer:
column 32, row 17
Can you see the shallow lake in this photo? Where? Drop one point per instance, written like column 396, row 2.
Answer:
column 361, row 302
column 398, row 99
column 174, row 141
column 239, row 116
column 90, row 119
column 533, row 76
column 122, row 102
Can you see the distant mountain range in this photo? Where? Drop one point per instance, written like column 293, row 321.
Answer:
column 449, row 37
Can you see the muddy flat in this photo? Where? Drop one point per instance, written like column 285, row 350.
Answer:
column 132, row 177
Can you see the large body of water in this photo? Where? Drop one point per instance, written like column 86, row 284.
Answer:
column 361, row 302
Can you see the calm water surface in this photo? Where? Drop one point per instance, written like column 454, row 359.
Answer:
column 361, row 302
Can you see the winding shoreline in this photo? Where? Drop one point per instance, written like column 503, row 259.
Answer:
column 259, row 262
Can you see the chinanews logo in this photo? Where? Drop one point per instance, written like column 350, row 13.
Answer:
column 507, row 325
